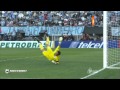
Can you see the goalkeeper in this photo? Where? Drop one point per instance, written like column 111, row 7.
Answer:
column 53, row 56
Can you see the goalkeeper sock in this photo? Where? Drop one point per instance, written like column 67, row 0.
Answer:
column 47, row 40
column 41, row 47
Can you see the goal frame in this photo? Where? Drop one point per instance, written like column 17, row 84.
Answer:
column 105, row 41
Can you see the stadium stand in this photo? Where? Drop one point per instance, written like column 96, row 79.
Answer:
column 47, row 18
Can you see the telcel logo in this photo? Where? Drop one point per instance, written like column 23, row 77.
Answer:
column 90, row 45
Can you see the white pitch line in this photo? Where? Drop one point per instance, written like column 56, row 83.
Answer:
column 92, row 73
column 18, row 58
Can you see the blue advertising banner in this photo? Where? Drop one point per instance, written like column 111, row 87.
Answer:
column 81, row 44
column 55, row 30
column 64, row 44
column 114, row 44
column 89, row 44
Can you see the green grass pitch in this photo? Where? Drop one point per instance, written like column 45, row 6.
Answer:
column 74, row 64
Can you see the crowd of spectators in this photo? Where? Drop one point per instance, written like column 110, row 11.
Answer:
column 113, row 21
column 47, row 18
column 114, row 18
column 50, row 18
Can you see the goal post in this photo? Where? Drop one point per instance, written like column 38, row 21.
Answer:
column 111, row 39
column 105, row 39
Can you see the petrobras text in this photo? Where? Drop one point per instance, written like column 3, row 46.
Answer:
column 23, row 44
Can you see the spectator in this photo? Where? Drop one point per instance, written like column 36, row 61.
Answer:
column 61, row 18
column 53, row 18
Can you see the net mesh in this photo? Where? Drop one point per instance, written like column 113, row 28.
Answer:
column 113, row 39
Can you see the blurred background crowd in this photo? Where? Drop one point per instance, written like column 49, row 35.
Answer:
column 50, row 18
column 54, row 18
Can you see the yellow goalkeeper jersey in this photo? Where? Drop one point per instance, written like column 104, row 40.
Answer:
column 49, row 54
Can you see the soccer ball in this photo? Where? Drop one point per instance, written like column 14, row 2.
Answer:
column 60, row 39
column 55, row 62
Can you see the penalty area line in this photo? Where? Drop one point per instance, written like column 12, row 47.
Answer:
column 92, row 73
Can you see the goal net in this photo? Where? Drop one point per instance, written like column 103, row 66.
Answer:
column 111, row 39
